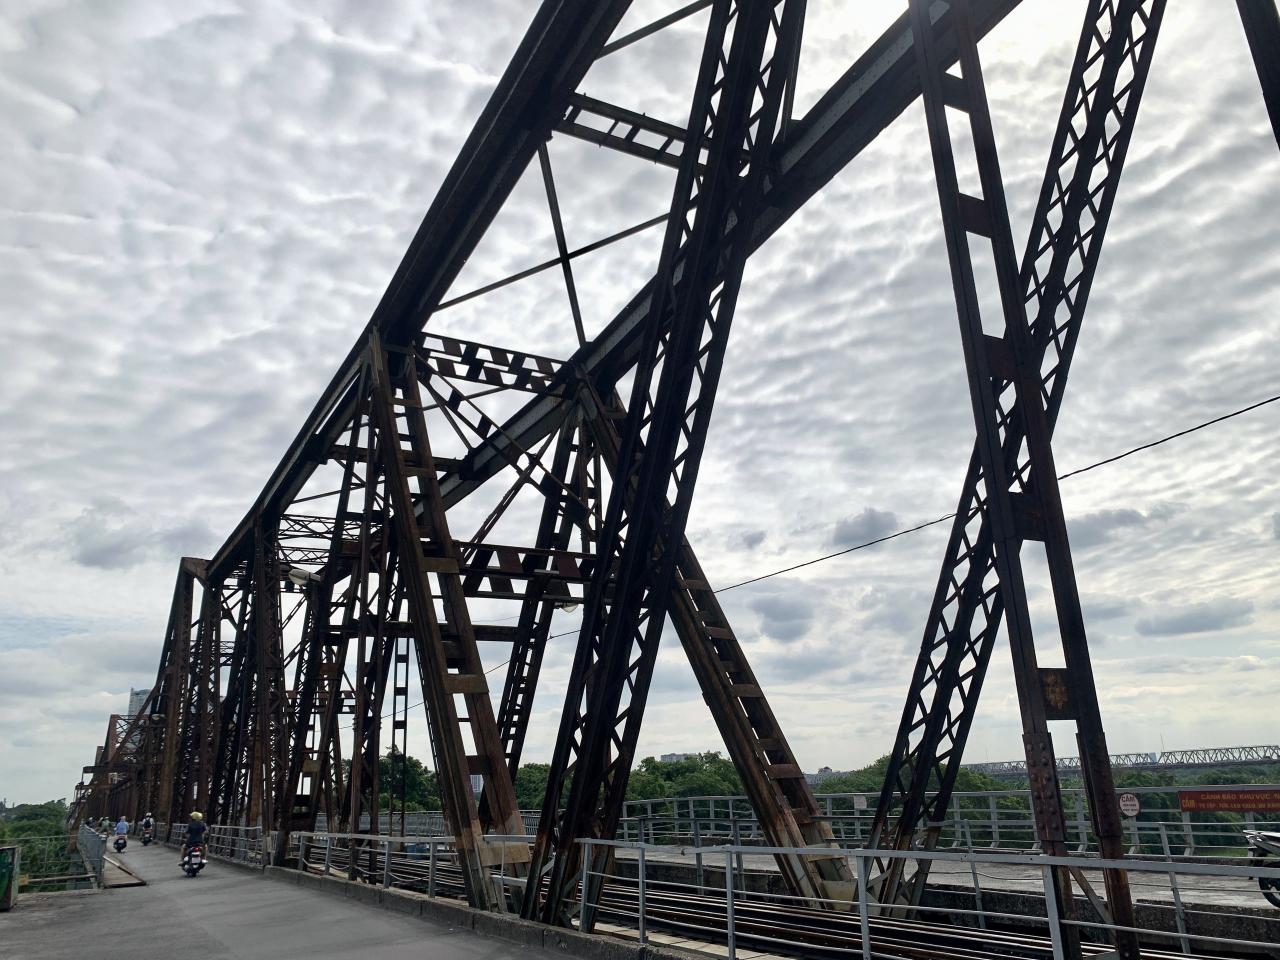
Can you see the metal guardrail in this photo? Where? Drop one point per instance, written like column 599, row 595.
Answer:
column 429, row 865
column 418, row 823
column 996, row 820
column 638, row 911
column 406, row 862
column 92, row 847
column 58, row 861
column 235, row 844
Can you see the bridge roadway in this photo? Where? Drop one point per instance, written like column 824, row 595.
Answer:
column 227, row 913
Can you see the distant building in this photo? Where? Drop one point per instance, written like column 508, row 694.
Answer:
column 137, row 698
column 675, row 757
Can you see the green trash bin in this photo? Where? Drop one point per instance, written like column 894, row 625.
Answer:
column 8, row 877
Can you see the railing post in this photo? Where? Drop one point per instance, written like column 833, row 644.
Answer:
column 1082, row 825
column 431, row 870
column 302, row 852
column 864, row 921
column 1051, row 911
column 328, row 853
column 728, row 903
column 1178, row 912
column 697, row 856
column 386, row 863
column 994, row 812
column 1189, row 833
column 736, row 835
column 584, row 923
column 640, row 865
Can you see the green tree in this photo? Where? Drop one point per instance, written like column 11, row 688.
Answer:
column 698, row 775
column 531, row 785
column 406, row 777
column 34, row 820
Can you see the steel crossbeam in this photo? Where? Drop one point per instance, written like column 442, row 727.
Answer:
column 777, row 788
column 1087, row 156
column 1019, row 477
column 874, row 91
column 449, row 666
column 348, row 575
column 736, row 105
column 1261, row 20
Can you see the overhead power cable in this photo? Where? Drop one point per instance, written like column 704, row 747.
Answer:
column 929, row 523
column 951, row 516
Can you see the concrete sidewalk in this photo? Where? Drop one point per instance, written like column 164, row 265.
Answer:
column 227, row 913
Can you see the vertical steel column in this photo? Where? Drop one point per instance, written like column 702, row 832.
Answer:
column 1108, row 76
column 173, row 699
column 152, row 736
column 205, row 729
column 1261, row 19
column 324, row 654
column 1003, row 369
column 735, row 112
column 570, row 496
column 449, row 664
column 227, row 794
column 774, row 783
column 270, row 736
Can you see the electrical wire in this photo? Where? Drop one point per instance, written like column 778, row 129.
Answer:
column 950, row 516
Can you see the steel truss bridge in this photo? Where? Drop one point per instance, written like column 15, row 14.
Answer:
column 348, row 574
column 1261, row 754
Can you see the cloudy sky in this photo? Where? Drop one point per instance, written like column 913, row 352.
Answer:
column 202, row 204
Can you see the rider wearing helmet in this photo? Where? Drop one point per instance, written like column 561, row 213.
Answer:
column 195, row 832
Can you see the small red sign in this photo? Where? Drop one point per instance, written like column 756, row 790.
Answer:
column 1230, row 801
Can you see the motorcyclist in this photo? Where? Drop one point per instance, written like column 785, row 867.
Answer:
column 196, row 828
column 122, row 827
column 148, row 823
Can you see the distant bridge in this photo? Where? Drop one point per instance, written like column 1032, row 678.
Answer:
column 1167, row 760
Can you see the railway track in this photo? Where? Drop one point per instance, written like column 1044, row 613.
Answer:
column 778, row 928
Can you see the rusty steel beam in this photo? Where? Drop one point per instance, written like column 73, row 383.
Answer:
column 449, row 666
column 1097, row 118
column 560, row 45
column 719, row 189
column 1261, row 20
column 873, row 92
column 1004, row 376
column 870, row 95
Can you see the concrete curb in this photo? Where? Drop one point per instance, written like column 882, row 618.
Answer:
column 499, row 926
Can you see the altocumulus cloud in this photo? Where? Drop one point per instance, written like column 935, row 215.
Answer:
column 869, row 524
column 112, row 535
column 202, row 203
column 1204, row 617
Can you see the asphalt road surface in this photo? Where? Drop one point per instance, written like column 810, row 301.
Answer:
column 226, row 913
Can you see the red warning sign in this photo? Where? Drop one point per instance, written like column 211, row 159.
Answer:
column 1230, row 801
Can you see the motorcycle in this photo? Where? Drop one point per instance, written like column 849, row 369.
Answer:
column 194, row 860
column 146, row 836
column 1264, row 850
column 121, row 842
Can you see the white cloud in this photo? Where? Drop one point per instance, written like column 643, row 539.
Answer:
column 202, row 204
